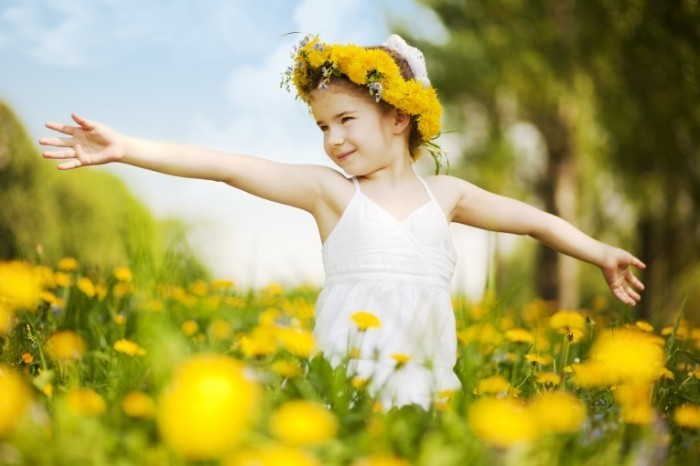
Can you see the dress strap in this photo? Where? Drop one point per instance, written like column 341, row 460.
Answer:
column 356, row 183
column 427, row 189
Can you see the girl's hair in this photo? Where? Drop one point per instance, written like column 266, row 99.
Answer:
column 316, row 78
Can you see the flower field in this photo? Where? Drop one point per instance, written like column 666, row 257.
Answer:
column 117, row 369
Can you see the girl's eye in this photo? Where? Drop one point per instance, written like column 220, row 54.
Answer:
column 345, row 119
column 323, row 128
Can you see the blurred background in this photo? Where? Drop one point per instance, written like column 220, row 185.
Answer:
column 586, row 109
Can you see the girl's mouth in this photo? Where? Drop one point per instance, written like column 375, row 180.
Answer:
column 344, row 156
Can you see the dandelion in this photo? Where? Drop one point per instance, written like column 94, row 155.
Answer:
column 502, row 422
column 138, row 404
column 87, row 287
column 189, row 328
column 271, row 455
column 635, row 401
column 207, row 406
column 219, row 329
column 123, row 274
column 284, row 368
column 65, row 345
column 365, row 320
column 14, row 401
column 566, row 321
column 548, row 379
column 20, row 286
column 381, row 460
column 7, row 319
column 519, row 335
column 644, row 326
column 300, row 343
column 84, row 402
column 68, row 264
column 359, row 382
column 558, row 412
column 27, row 358
column 687, row 416
column 538, row 360
column 128, row 347
column 261, row 341
column 302, row 422
column 401, row 359
column 494, row 385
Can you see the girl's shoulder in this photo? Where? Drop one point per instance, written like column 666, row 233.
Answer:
column 446, row 189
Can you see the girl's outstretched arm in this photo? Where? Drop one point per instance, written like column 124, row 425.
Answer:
column 482, row 209
column 91, row 143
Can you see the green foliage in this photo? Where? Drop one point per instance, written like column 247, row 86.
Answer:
column 90, row 214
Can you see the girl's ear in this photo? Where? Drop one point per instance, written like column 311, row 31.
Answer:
column 401, row 121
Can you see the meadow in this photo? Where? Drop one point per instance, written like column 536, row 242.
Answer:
column 112, row 368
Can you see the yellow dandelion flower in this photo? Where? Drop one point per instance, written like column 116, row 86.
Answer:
column 643, row 325
column 381, row 460
column 536, row 359
column 302, row 422
column 485, row 334
column 119, row 319
column 687, row 416
column 566, row 321
column 558, row 412
column 138, row 404
column 122, row 289
column 548, row 379
column 189, row 328
column 401, row 359
column 222, row 284
column 128, row 347
column 285, row 368
column 271, row 455
column 207, row 406
column 62, row 280
column 27, row 358
column 68, row 264
column 502, row 422
column 519, row 335
column 123, row 274
column 48, row 390
column 20, row 286
column 15, row 399
column 298, row 342
column 667, row 374
column 87, row 287
column 365, row 320
column 359, row 382
column 635, row 401
column 7, row 319
column 220, row 329
column 261, row 341
column 494, row 385
column 84, row 401
column 269, row 317
column 65, row 345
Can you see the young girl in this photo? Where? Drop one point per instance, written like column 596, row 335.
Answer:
column 386, row 249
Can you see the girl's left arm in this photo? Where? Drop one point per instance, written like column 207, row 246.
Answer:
column 479, row 208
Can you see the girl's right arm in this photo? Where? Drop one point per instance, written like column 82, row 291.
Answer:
column 91, row 143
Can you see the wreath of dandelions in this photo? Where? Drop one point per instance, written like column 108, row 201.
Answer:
column 316, row 63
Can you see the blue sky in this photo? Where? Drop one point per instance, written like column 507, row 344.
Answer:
column 204, row 72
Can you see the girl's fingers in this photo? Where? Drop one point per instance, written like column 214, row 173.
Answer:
column 57, row 142
column 61, row 128
column 635, row 281
column 75, row 163
column 60, row 154
column 83, row 122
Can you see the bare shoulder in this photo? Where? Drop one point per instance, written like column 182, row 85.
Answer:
column 448, row 191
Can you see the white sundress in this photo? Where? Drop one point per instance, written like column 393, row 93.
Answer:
column 400, row 271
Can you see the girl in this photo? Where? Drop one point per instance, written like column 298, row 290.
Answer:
column 386, row 249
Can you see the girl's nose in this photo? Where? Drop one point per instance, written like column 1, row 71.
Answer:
column 335, row 136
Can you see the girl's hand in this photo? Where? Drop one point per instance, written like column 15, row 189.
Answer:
column 90, row 144
column 617, row 270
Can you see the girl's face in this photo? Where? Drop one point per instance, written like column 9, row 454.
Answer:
column 358, row 133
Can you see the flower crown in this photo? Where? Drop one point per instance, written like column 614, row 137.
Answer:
column 317, row 62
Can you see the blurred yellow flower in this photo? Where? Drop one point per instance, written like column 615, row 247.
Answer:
column 401, row 359
column 503, row 422
column 87, row 287
column 298, row 342
column 14, row 400
column 271, row 455
column 381, row 460
column 365, row 320
column 219, row 329
column 635, row 401
column 20, row 286
column 27, row 358
column 84, row 401
column 687, row 416
column 65, row 345
column 128, row 347
column 286, row 368
column 119, row 319
column 548, row 379
column 62, row 280
column 558, row 412
column 68, row 264
column 222, row 284
column 189, row 328
column 303, row 422
column 643, row 325
column 519, row 335
column 207, row 406
column 622, row 356
column 123, row 274
column 139, row 405
column 122, row 289
column 261, row 341
column 359, row 382
column 566, row 321
column 485, row 334
column 7, row 319
column 536, row 359
column 493, row 385
column 199, row 288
